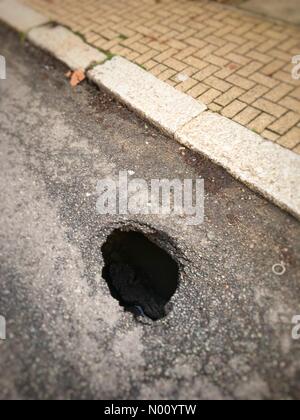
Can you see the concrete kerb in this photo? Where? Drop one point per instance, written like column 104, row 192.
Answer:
column 19, row 16
column 57, row 40
column 151, row 98
column 264, row 166
column 65, row 46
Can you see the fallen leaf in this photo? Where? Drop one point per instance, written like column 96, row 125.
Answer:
column 77, row 77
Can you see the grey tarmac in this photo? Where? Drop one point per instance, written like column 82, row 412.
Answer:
column 229, row 335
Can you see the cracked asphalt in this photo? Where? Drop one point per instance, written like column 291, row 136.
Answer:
column 229, row 335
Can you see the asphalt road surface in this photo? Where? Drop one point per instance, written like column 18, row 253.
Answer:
column 229, row 334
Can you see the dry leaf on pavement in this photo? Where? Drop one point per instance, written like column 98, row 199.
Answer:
column 75, row 77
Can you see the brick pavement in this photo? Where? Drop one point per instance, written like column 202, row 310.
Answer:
column 236, row 63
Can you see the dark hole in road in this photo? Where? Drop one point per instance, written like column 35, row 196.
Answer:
column 141, row 276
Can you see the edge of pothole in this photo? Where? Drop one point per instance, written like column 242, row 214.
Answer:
column 155, row 235
column 166, row 242
column 265, row 167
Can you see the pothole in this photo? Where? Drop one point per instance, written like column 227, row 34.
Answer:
column 142, row 276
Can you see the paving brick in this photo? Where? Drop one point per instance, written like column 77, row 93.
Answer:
column 226, row 72
column 209, row 96
column 212, row 39
column 206, row 72
column 170, row 82
column 269, row 107
column 187, row 85
column 107, row 46
column 237, row 58
column 230, row 46
column 260, row 123
column 165, row 55
column 185, row 34
column 233, row 22
column 243, row 29
column 159, row 68
column 138, row 47
column 257, row 56
column 285, row 76
column 280, row 55
column 234, row 108
column 254, row 36
column 297, row 150
column 240, row 82
column 224, row 30
column 204, row 52
column 142, row 59
column 269, row 135
column 278, row 92
column 235, row 38
column 167, row 74
column 178, row 45
column 249, row 69
column 229, row 96
column 214, row 107
column 276, row 35
column 150, row 64
column 130, row 55
column 296, row 93
column 195, row 42
column 187, row 72
column 291, row 139
column 248, row 46
column 264, row 80
column 247, row 115
column 196, row 91
column 217, row 61
column 291, row 103
column 267, row 46
column 285, row 123
column 187, row 52
column 195, row 62
column 217, row 83
column 130, row 40
column 262, row 27
column 273, row 67
column 175, row 64
column 290, row 43
column 158, row 46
